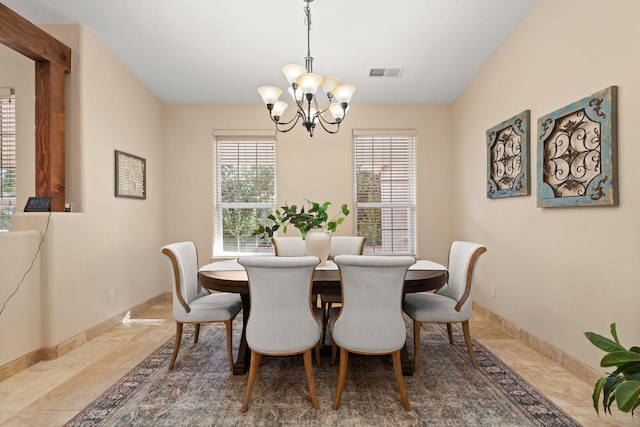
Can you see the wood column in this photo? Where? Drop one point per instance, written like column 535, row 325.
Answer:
column 50, row 135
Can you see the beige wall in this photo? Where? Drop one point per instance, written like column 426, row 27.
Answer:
column 317, row 168
column 109, row 242
column 558, row 271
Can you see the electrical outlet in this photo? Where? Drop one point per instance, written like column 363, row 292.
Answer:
column 493, row 291
column 112, row 295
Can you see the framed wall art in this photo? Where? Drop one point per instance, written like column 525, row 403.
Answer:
column 577, row 153
column 508, row 157
column 131, row 176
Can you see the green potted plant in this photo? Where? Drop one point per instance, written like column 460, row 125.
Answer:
column 623, row 384
column 310, row 216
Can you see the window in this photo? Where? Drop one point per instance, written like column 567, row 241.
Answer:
column 385, row 200
column 7, row 157
column 245, row 193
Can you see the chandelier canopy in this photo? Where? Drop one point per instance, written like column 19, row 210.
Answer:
column 303, row 87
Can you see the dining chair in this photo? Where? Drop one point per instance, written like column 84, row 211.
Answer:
column 370, row 320
column 282, row 320
column 340, row 245
column 288, row 246
column 449, row 304
column 192, row 304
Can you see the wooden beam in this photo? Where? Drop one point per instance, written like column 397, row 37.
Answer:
column 31, row 41
column 50, row 133
column 53, row 60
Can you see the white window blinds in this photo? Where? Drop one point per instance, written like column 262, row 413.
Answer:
column 245, row 192
column 7, row 157
column 385, row 193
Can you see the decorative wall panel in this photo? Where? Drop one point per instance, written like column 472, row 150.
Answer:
column 508, row 157
column 577, row 153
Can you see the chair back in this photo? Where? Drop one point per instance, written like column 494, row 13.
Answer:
column 289, row 246
column 281, row 319
column 183, row 258
column 346, row 245
column 462, row 260
column 371, row 318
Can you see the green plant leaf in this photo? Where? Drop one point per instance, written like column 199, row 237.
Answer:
column 617, row 358
column 627, row 395
column 597, row 390
column 614, row 334
column 603, row 343
column 608, row 392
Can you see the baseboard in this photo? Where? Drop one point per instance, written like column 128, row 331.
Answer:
column 50, row 353
column 569, row 363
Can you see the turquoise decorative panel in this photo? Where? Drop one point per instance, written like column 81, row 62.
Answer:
column 508, row 157
column 577, row 153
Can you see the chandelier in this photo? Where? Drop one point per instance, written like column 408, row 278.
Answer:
column 303, row 87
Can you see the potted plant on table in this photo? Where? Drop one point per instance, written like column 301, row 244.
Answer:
column 622, row 385
column 313, row 222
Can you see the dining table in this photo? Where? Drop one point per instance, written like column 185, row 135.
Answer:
column 229, row 276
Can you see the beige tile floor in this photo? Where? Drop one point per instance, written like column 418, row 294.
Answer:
column 51, row 393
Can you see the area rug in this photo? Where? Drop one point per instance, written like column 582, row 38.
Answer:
column 200, row 391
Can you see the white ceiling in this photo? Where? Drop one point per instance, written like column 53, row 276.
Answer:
column 221, row 51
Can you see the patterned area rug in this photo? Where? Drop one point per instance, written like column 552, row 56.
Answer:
column 200, row 391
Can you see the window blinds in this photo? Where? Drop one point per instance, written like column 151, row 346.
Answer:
column 245, row 192
column 7, row 157
column 385, row 191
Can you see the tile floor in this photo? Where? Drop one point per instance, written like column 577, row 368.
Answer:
column 50, row 393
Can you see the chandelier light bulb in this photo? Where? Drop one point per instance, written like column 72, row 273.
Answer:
column 343, row 93
column 270, row 94
column 309, row 83
column 292, row 72
column 337, row 112
column 278, row 109
column 329, row 83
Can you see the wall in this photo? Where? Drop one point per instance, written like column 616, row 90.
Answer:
column 108, row 242
column 317, row 168
column 558, row 271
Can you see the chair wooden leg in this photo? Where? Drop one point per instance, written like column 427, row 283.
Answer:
column 467, row 339
column 342, row 375
column 450, row 332
column 229, row 326
column 196, row 335
column 176, row 346
column 308, row 367
column 397, row 370
column 253, row 370
column 416, row 344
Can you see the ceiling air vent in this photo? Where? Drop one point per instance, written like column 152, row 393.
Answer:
column 385, row 72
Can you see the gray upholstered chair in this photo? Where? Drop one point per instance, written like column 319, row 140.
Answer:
column 194, row 304
column 282, row 321
column 451, row 303
column 370, row 320
column 288, row 246
column 340, row 245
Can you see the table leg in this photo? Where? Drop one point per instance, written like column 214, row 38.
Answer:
column 241, row 366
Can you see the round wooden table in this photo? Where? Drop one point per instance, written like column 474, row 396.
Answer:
column 229, row 276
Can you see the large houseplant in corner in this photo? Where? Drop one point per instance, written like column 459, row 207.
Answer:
column 623, row 384
column 313, row 222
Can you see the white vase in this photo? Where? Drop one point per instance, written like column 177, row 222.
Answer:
column 318, row 243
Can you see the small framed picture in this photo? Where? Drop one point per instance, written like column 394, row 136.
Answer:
column 131, row 176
